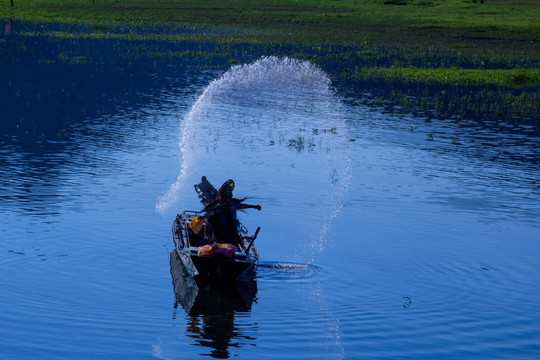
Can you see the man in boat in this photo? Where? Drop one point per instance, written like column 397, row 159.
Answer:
column 207, row 192
column 221, row 214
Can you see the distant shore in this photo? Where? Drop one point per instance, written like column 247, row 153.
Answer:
column 439, row 41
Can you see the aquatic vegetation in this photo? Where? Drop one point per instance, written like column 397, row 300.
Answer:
column 489, row 49
column 442, row 24
column 451, row 76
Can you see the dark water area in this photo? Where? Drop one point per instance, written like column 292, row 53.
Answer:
column 386, row 232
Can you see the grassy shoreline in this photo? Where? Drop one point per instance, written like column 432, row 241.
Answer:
column 516, row 78
column 503, row 25
column 429, row 42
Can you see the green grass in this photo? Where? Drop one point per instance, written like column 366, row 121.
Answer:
column 446, row 42
column 452, row 76
column 441, row 23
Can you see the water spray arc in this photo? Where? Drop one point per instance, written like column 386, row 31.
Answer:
column 274, row 116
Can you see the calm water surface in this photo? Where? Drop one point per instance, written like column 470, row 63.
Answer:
column 383, row 235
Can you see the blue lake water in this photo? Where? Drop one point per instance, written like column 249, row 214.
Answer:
column 383, row 235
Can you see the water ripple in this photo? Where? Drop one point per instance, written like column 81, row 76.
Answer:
column 285, row 271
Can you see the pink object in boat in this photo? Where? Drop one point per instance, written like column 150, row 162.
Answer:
column 222, row 250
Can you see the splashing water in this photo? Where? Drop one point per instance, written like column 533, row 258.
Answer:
column 277, row 128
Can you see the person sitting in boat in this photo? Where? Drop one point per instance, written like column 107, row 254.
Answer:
column 221, row 214
column 207, row 192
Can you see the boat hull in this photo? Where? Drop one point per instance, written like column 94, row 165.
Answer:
column 201, row 297
column 219, row 269
column 215, row 267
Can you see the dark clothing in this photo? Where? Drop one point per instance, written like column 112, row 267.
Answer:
column 221, row 215
column 224, row 221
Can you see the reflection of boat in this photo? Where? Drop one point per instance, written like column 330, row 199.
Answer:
column 206, row 298
column 194, row 238
column 212, row 309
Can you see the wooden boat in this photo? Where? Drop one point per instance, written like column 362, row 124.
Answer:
column 199, row 297
column 193, row 239
column 213, row 308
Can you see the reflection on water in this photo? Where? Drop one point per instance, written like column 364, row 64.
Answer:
column 401, row 223
column 212, row 309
